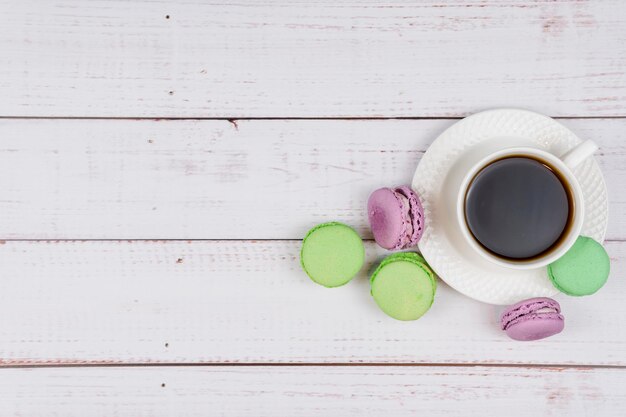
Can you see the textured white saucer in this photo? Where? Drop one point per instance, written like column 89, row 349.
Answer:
column 441, row 245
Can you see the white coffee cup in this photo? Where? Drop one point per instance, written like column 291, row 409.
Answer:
column 563, row 166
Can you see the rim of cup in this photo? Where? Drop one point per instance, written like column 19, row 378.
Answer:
column 574, row 228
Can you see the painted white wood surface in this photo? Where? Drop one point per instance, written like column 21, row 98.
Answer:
column 249, row 302
column 312, row 391
column 242, row 301
column 333, row 58
column 190, row 179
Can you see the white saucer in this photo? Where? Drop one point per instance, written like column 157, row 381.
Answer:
column 442, row 246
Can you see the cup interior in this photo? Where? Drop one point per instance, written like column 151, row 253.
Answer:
column 575, row 213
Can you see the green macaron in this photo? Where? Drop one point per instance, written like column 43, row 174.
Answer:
column 583, row 270
column 332, row 254
column 404, row 286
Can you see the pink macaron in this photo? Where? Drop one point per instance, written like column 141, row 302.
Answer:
column 533, row 319
column 396, row 217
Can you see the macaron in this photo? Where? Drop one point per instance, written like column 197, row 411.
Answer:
column 583, row 270
column 396, row 217
column 404, row 286
column 332, row 254
column 532, row 319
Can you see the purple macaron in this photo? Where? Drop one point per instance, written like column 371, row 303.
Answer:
column 533, row 319
column 396, row 217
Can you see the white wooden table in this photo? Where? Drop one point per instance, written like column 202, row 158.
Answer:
column 160, row 160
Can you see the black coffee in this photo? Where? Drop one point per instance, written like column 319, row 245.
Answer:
column 517, row 208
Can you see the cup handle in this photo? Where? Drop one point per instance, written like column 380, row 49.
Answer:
column 576, row 155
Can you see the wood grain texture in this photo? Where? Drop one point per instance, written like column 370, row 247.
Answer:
column 327, row 59
column 249, row 302
column 315, row 391
column 273, row 179
column 238, row 306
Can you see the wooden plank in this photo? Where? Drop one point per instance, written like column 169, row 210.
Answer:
column 273, row 179
column 312, row 391
column 102, row 302
column 328, row 59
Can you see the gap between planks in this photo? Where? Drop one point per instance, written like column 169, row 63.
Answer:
column 69, row 240
column 550, row 366
column 274, row 118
